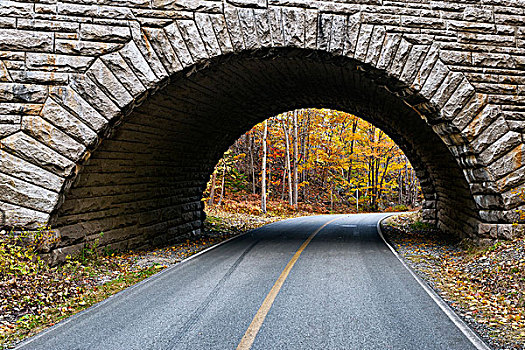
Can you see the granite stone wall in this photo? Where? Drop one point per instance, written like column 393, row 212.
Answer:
column 113, row 113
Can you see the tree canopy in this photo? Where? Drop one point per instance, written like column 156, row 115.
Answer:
column 330, row 159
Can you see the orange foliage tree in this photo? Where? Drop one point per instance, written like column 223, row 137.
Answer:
column 331, row 160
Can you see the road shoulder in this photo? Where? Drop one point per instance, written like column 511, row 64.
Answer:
column 474, row 282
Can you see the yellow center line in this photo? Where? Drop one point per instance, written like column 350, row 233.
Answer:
column 249, row 337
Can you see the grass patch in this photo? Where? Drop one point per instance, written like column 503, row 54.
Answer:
column 422, row 226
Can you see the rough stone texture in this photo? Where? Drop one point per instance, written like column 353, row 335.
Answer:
column 112, row 114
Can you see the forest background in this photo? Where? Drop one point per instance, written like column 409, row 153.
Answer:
column 313, row 161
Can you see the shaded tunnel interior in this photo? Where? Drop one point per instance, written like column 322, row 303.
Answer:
column 143, row 185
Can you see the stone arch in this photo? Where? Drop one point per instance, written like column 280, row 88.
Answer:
column 52, row 147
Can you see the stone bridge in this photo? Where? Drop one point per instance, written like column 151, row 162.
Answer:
column 114, row 112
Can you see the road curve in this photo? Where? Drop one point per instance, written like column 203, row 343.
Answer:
column 345, row 290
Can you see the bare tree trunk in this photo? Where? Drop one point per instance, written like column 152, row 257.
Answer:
column 283, row 181
column 222, row 184
column 408, row 191
column 212, row 189
column 268, row 179
column 416, row 191
column 352, row 142
column 357, row 200
column 306, row 154
column 331, row 200
column 400, row 187
column 263, row 180
column 295, row 155
column 252, row 168
column 287, row 141
column 382, row 181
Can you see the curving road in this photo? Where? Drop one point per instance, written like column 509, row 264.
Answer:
column 322, row 282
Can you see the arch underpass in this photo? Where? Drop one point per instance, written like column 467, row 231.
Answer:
column 121, row 138
column 150, row 174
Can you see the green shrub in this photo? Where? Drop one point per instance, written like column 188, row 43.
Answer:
column 419, row 225
column 19, row 251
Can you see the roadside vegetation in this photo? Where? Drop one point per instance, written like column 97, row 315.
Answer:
column 484, row 285
column 35, row 296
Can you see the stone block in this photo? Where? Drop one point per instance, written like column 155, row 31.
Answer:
column 106, row 80
column 146, row 49
column 434, row 80
column 125, row 75
column 324, row 31
column 276, row 26
column 85, row 48
column 481, row 121
column 23, row 193
column 4, row 74
column 221, row 30
column 138, row 64
column 310, row 31
column 37, row 153
column 197, row 6
column 511, row 180
column 352, row 34
column 293, row 26
column 376, row 45
column 96, row 97
column 504, row 144
column 486, row 137
column 15, row 9
column 17, row 216
column 468, row 26
column 193, row 39
column 459, row 99
column 400, row 58
column 413, row 63
column 104, row 33
column 31, row 77
column 47, row 25
column 444, row 92
column 69, row 100
column 510, row 231
column 7, row 23
column 475, row 13
column 389, row 49
column 161, row 44
column 58, row 63
column 27, row 93
column 510, row 162
column 365, row 33
column 52, row 137
column 248, row 3
column 205, row 26
column 177, row 42
column 21, row 169
column 231, row 15
column 26, row 40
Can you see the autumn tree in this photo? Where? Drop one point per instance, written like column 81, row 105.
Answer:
column 322, row 157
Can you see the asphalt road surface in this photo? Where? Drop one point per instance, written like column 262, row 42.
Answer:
column 322, row 282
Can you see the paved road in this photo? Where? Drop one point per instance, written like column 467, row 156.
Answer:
column 346, row 291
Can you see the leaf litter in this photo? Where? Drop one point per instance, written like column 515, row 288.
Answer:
column 35, row 296
column 484, row 285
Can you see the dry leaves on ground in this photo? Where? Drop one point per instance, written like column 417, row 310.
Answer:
column 485, row 286
column 34, row 296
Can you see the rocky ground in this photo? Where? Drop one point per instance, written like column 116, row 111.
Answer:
column 485, row 286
